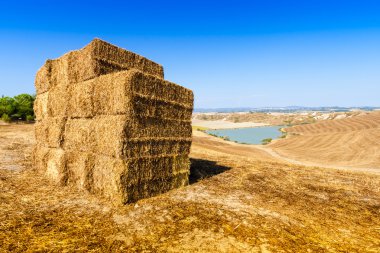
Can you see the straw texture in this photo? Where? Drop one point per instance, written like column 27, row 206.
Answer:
column 108, row 123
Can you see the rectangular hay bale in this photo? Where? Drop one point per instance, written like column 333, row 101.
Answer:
column 58, row 98
column 153, row 147
column 154, row 187
column 112, row 94
column 80, row 168
column 157, row 108
column 124, row 59
column 41, row 106
column 108, row 123
column 143, row 126
column 56, row 166
column 49, row 132
column 125, row 181
column 151, row 86
column 80, row 100
column 40, row 158
column 79, row 135
column 155, row 168
column 103, row 135
column 107, row 177
column 42, row 80
column 96, row 59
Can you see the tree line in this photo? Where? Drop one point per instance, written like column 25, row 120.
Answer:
column 17, row 108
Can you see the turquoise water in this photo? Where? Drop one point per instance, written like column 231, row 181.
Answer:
column 253, row 135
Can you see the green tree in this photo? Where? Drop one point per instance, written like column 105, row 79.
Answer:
column 23, row 106
column 5, row 118
column 7, row 106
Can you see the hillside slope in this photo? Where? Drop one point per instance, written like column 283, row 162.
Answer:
column 256, row 205
column 351, row 142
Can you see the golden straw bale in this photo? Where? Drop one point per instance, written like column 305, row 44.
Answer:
column 103, row 135
column 56, row 166
column 80, row 99
column 80, row 168
column 103, row 95
column 79, row 135
column 154, row 168
column 151, row 188
column 119, row 58
column 146, row 106
column 180, row 180
column 41, row 106
column 110, row 134
column 152, row 147
column 115, row 178
column 108, row 123
column 147, row 189
column 112, row 93
column 53, row 73
column 42, row 80
column 141, row 126
column 58, row 101
column 107, row 175
column 40, row 158
column 151, row 86
column 49, row 132
column 96, row 59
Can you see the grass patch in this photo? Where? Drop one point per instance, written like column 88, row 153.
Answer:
column 266, row 141
column 199, row 128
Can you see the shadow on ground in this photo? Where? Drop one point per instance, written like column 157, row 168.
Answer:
column 201, row 169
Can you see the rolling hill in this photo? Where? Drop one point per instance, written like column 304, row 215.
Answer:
column 350, row 142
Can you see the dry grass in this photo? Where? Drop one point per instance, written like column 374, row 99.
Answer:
column 352, row 142
column 254, row 206
column 199, row 128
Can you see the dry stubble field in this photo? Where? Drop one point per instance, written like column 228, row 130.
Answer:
column 258, row 204
column 352, row 142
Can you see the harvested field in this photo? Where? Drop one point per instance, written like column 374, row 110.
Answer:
column 258, row 204
column 352, row 142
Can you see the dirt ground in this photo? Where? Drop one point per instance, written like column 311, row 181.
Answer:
column 241, row 199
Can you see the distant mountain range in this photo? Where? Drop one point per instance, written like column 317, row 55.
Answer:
column 286, row 109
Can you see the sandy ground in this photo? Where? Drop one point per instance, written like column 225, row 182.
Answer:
column 241, row 199
column 222, row 124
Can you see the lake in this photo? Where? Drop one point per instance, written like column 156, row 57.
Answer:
column 252, row 135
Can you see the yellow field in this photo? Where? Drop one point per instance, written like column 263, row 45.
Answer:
column 352, row 142
column 253, row 203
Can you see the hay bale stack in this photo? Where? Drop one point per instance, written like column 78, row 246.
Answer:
column 110, row 124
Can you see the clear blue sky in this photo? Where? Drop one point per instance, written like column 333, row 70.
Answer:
column 231, row 53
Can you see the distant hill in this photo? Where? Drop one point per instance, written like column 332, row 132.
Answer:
column 286, row 109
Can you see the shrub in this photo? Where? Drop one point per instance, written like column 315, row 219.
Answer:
column 5, row 118
column 24, row 105
column 266, row 141
column 29, row 118
column 18, row 107
column 7, row 106
column 225, row 138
